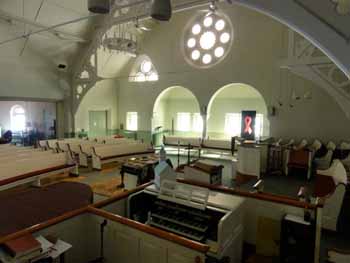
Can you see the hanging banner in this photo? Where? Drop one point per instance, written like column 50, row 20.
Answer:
column 248, row 125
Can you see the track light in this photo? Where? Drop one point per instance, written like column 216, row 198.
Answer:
column 99, row 6
column 161, row 10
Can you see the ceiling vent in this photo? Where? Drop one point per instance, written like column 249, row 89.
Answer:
column 99, row 6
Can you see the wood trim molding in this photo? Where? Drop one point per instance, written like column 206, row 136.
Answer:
column 35, row 173
column 44, row 225
column 259, row 196
column 151, row 230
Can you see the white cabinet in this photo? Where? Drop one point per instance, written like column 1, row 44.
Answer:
column 152, row 251
column 127, row 248
column 177, row 256
column 249, row 160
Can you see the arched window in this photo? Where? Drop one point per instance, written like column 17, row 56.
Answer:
column 18, row 118
column 144, row 70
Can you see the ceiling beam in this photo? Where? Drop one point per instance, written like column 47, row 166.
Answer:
column 56, row 32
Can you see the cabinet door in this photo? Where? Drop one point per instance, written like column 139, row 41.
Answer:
column 127, row 248
column 175, row 256
column 152, row 252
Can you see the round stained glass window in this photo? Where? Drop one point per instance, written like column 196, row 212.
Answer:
column 207, row 39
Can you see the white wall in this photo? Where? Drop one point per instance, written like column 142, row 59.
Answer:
column 34, row 112
column 102, row 97
column 221, row 106
column 258, row 48
column 28, row 76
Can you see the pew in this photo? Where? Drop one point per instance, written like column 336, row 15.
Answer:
column 85, row 149
column 112, row 153
column 31, row 168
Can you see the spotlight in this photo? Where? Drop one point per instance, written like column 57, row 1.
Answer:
column 99, row 6
column 161, row 10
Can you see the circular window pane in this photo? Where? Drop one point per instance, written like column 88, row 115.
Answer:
column 146, row 66
column 140, row 77
column 191, row 42
column 195, row 54
column 207, row 59
column 219, row 52
column 196, row 29
column 79, row 89
column 208, row 21
column 225, row 37
column 152, row 77
column 219, row 25
column 207, row 40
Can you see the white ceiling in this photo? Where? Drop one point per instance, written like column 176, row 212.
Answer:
column 58, row 49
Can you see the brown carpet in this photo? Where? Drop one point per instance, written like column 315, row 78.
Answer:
column 61, row 178
column 107, row 188
column 37, row 205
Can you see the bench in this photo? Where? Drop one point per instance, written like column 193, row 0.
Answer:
column 112, row 153
column 32, row 168
column 221, row 145
column 177, row 141
column 85, row 150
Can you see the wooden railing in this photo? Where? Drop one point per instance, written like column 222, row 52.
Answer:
column 95, row 209
column 259, row 196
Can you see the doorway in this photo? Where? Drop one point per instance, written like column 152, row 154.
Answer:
column 97, row 123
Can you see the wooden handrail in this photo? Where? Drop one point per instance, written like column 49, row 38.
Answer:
column 35, row 173
column 151, row 230
column 120, row 196
column 44, row 225
column 259, row 196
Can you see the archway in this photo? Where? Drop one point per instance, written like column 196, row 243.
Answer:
column 176, row 111
column 225, row 107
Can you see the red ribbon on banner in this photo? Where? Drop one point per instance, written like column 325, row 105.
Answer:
column 248, row 122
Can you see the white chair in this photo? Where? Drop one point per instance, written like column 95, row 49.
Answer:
column 323, row 163
column 334, row 199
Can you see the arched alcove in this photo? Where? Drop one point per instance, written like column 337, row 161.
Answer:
column 176, row 111
column 225, row 107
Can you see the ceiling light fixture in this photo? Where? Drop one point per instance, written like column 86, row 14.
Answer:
column 161, row 10
column 99, row 6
